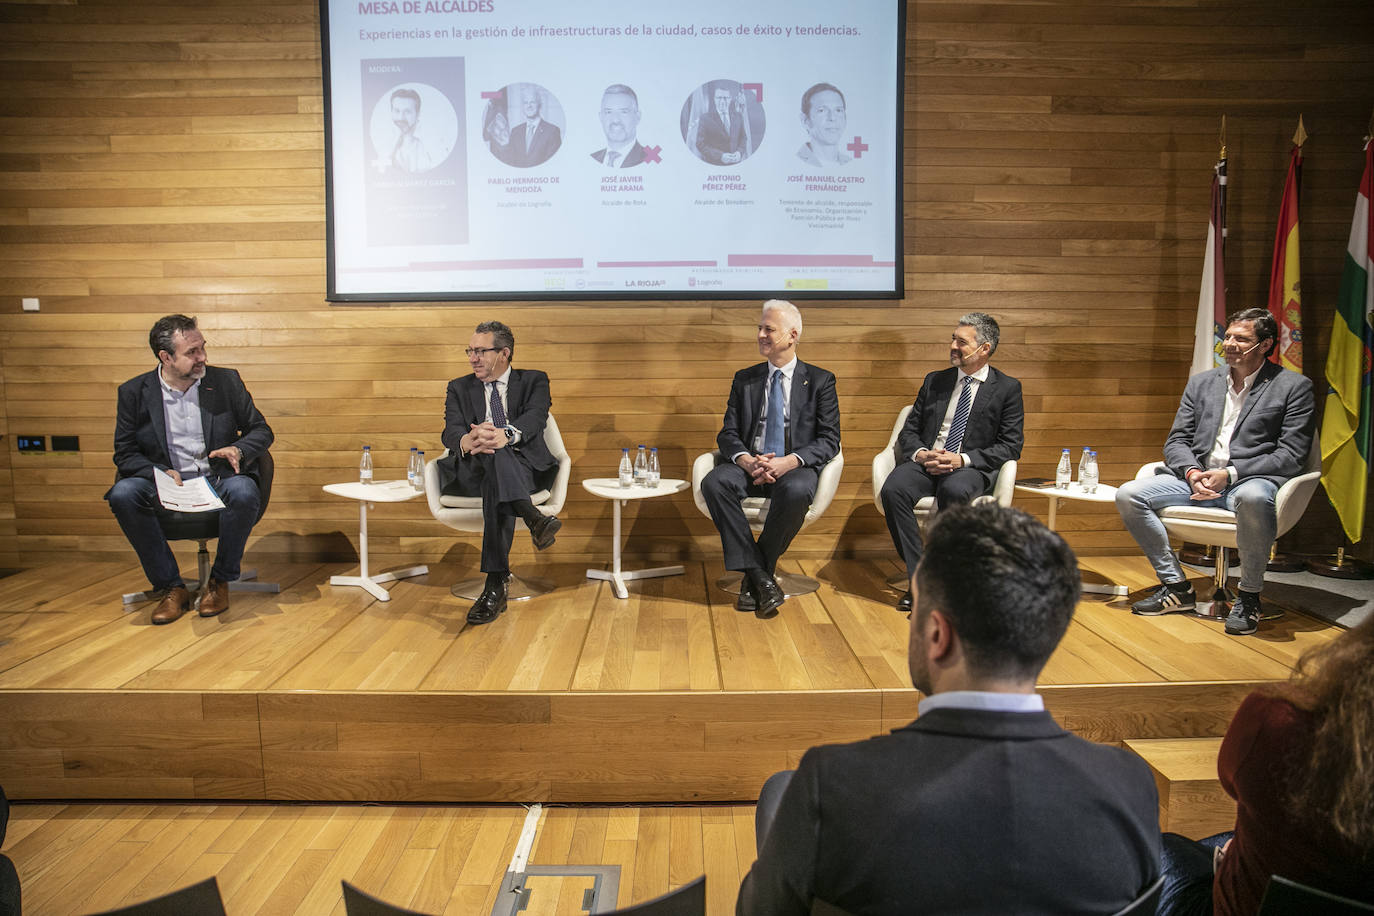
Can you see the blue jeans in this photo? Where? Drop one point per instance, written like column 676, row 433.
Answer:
column 1187, row 869
column 1252, row 500
column 135, row 505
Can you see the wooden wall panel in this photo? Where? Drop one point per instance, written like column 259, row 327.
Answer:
column 161, row 157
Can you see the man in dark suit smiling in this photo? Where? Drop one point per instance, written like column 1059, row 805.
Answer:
column 494, row 427
column 782, row 424
column 966, row 423
column 186, row 419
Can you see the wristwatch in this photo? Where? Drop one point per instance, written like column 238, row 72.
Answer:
column 510, row 432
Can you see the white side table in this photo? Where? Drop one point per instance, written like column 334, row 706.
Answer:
column 1105, row 493
column 609, row 488
column 386, row 491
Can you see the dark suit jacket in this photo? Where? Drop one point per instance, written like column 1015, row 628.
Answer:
column 227, row 417
column 1272, row 436
column 527, row 409
column 994, row 434
column 713, row 141
column 547, row 139
column 634, row 157
column 813, row 430
column 967, row 811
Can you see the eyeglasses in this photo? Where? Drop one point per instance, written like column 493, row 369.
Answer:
column 470, row 352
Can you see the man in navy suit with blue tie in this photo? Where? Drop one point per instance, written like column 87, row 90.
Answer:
column 966, row 423
column 782, row 424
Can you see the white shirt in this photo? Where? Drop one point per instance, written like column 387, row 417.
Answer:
column 185, row 434
column 1220, row 456
column 981, row 699
column 979, row 378
column 621, row 152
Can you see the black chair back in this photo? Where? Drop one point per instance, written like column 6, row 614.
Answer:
column 688, row 900
column 201, row 899
column 1284, row 897
column 360, row 903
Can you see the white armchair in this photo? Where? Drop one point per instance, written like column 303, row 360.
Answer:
column 756, row 510
column 464, row 513
column 1217, row 527
column 1003, row 488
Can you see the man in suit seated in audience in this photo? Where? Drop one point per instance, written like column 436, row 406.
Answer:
column 983, row 804
column 186, row 419
column 1241, row 430
column 782, row 424
column 966, row 423
column 494, row 429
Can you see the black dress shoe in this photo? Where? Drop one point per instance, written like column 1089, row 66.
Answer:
column 767, row 596
column 904, row 603
column 490, row 604
column 543, row 530
column 745, row 602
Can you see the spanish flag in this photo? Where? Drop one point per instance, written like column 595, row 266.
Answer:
column 1285, row 285
column 1345, row 422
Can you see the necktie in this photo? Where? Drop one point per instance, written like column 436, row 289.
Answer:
column 498, row 413
column 773, row 440
column 611, row 157
column 961, row 411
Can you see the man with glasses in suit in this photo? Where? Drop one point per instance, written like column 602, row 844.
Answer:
column 494, row 430
column 966, row 423
column 782, row 424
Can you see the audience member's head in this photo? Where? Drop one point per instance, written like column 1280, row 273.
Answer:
column 1336, row 682
column 994, row 593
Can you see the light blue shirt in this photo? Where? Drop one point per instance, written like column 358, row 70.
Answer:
column 185, row 434
column 981, row 699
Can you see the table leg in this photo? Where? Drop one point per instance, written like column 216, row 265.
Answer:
column 363, row 580
column 618, row 577
column 1054, row 505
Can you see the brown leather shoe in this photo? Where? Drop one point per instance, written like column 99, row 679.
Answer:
column 170, row 608
column 215, row 599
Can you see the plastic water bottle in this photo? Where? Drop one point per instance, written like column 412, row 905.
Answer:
column 420, row 471
column 365, row 466
column 641, row 468
column 653, row 467
column 1090, row 484
column 410, row 467
column 627, row 471
column 1064, row 473
column 1083, row 467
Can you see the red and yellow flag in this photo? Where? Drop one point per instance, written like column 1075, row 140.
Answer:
column 1285, row 283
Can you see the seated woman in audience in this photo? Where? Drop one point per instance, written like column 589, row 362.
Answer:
column 1299, row 761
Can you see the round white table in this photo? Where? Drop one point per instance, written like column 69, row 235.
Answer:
column 610, row 488
column 1105, row 493
column 382, row 491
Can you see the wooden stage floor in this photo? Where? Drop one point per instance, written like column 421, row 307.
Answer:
column 323, row 693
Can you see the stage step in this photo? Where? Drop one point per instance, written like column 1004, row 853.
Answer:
column 1191, row 800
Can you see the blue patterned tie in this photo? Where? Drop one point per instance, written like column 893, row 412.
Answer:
column 498, row 413
column 773, row 439
column 961, row 411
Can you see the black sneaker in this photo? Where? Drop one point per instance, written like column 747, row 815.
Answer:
column 1245, row 614
column 1166, row 600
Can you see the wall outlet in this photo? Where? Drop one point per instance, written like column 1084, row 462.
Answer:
column 30, row 304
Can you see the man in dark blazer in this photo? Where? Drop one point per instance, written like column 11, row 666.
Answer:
column 533, row 140
column 494, row 429
column 780, row 460
column 186, row 419
column 720, row 132
column 619, row 116
column 1241, row 430
column 983, row 804
column 941, row 454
